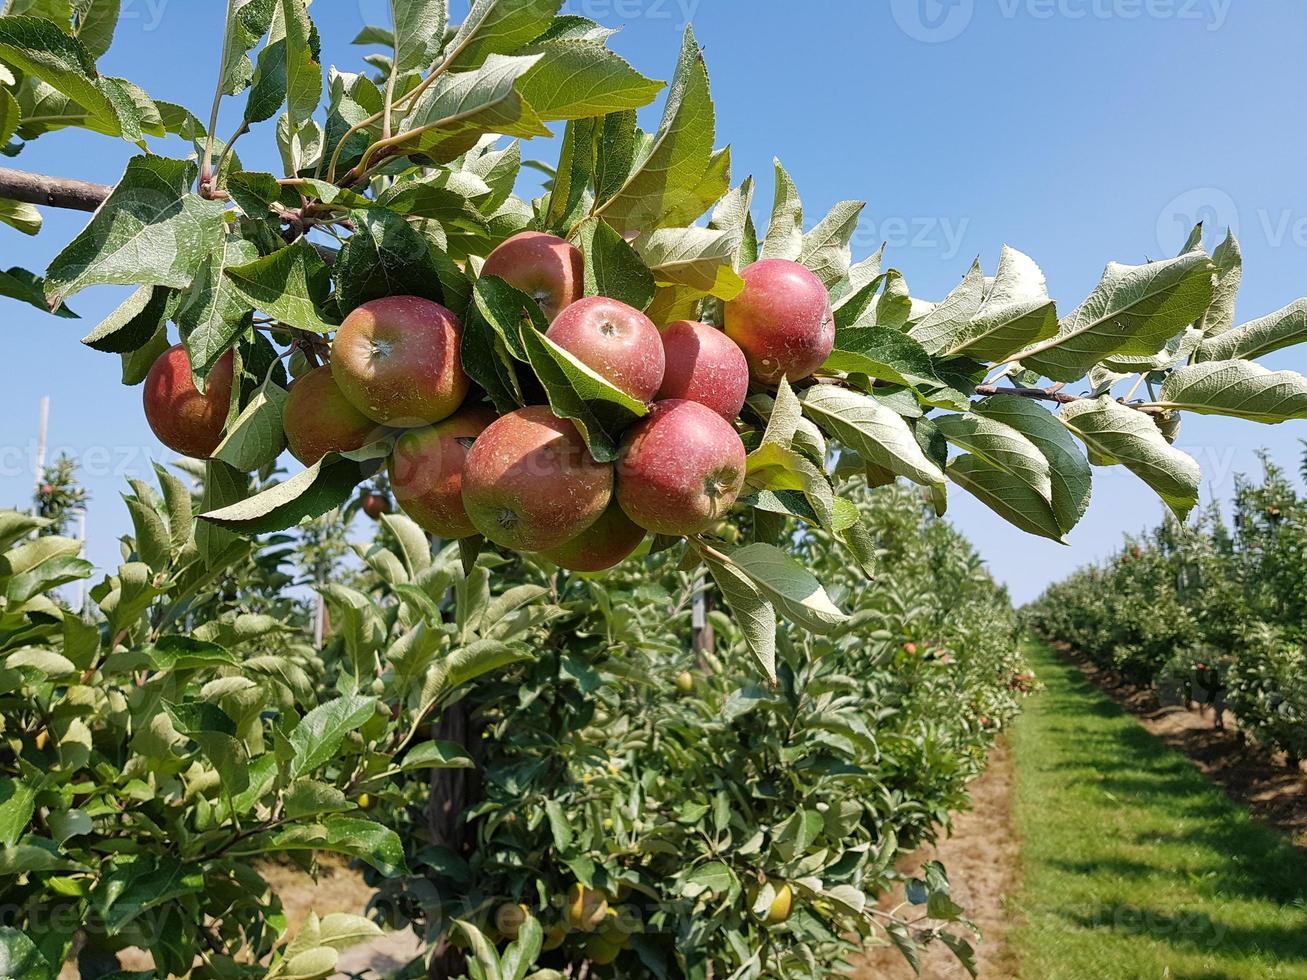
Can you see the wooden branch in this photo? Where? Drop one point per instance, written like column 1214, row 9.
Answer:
column 76, row 195
column 55, row 192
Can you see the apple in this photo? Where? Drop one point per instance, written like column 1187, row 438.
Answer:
column 426, row 472
column 375, row 505
column 614, row 340
column 705, row 366
column 607, row 542
column 781, row 906
column 586, row 907
column 782, row 321
column 681, row 468
column 318, row 419
column 185, row 419
column 910, row 648
column 530, row 484
column 685, row 682
column 510, row 918
column 547, row 268
column 397, row 361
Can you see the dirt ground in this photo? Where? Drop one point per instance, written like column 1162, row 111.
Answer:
column 1250, row 775
column 982, row 856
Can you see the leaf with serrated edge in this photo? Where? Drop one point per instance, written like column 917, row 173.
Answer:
column 696, row 257
column 825, row 249
column 1257, row 338
column 1007, row 495
column 938, row 329
column 790, row 587
column 1000, row 446
column 1237, row 389
column 875, row 432
column 784, row 238
column 1116, row 434
column 290, row 285
column 1134, row 310
column 753, row 612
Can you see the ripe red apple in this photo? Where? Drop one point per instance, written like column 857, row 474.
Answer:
column 705, row 366
column 681, row 470
column 397, row 361
column 183, row 418
column 782, row 321
column 426, row 472
column 375, row 505
column 530, row 483
column 547, row 268
column 615, row 341
column 318, row 419
column 607, row 542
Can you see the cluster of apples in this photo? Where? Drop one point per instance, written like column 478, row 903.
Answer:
column 526, row 480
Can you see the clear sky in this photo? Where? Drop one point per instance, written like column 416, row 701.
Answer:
column 1080, row 131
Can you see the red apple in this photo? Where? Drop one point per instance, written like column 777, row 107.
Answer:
column 375, row 505
column 782, row 321
column 607, row 542
column 397, row 361
column 183, row 418
column 614, row 340
column 681, row 470
column 530, row 483
column 545, row 267
column 705, row 366
column 426, row 472
column 318, row 419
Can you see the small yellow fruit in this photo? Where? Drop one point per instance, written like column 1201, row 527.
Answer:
column 365, row 801
column 601, row 952
column 586, row 907
column 42, row 739
column 555, row 936
column 781, row 906
column 685, row 682
column 510, row 918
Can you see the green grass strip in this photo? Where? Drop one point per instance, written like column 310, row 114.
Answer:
column 1134, row 865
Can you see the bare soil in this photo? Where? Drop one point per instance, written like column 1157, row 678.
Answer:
column 1250, row 774
column 982, row 855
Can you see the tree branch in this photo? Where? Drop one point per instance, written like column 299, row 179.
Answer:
column 55, row 192
column 1043, row 394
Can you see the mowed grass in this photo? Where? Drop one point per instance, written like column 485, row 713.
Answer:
column 1134, row 865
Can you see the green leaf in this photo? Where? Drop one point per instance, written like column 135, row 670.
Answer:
column 180, row 652
column 19, row 956
column 1008, row 495
column 1229, row 275
column 1116, row 435
column 733, row 215
column 213, row 730
column 384, row 256
column 132, row 324
column 28, row 287
column 697, row 257
column 151, row 231
column 1016, row 312
column 570, row 196
column 10, row 115
column 669, row 168
column 751, row 610
column 324, row 486
column 257, row 437
column 1002, row 447
column 292, row 285
column 18, row 215
column 247, row 22
column 882, row 353
column 1238, row 389
column 785, row 231
column 826, row 248
column 497, row 27
column 437, row 755
column 938, row 329
column 419, row 29
column 875, row 432
column 778, row 468
column 790, row 587
column 137, row 364
column 40, row 49
column 1072, row 479
column 1257, row 338
column 377, row 845
column 319, row 733
column 1134, row 310
column 17, row 804
column 223, row 487
column 612, row 266
column 212, row 313
column 96, row 22
column 576, row 80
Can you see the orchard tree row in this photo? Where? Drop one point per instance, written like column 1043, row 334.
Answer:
column 1206, row 612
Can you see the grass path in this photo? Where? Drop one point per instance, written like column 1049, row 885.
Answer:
column 1134, row 865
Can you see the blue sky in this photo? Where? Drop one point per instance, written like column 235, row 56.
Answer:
column 1079, row 131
